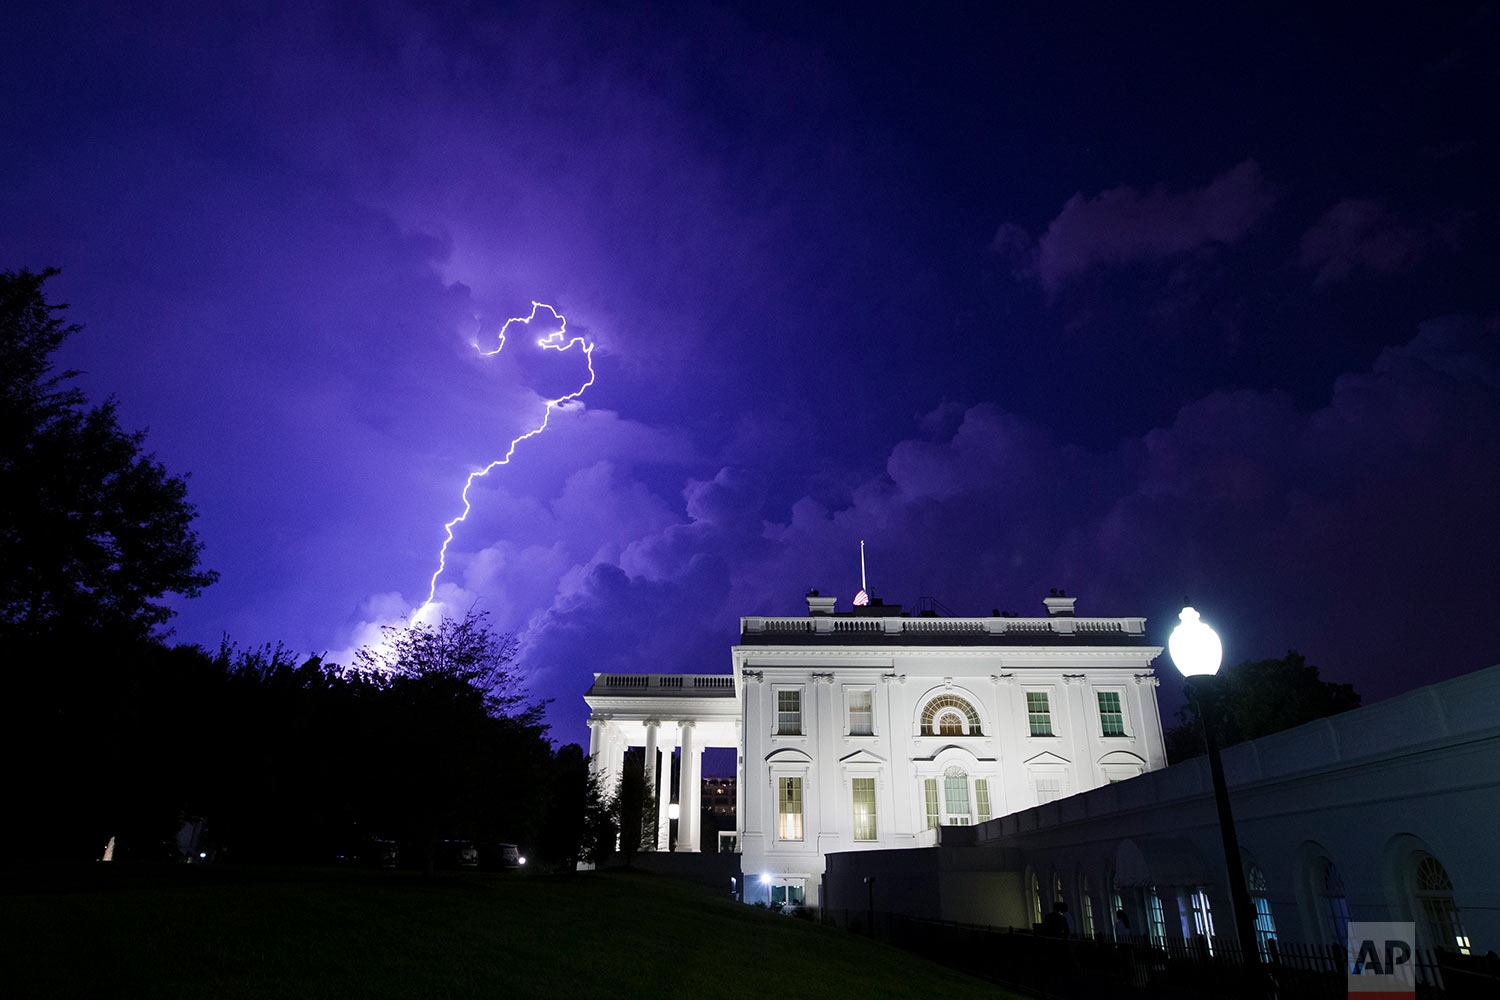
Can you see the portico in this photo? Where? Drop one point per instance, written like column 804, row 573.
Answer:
column 663, row 713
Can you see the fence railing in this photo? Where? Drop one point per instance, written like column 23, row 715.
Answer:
column 1106, row 969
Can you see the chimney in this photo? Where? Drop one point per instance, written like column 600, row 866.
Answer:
column 818, row 605
column 1059, row 605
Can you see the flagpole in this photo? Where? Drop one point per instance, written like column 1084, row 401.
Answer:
column 862, row 585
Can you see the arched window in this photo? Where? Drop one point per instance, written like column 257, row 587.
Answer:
column 1114, row 904
column 965, row 714
column 1433, row 890
column 1086, row 914
column 956, row 797
column 1156, row 920
column 950, row 723
column 1265, row 923
column 1333, row 906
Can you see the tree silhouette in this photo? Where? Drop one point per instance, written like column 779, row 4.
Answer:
column 94, row 531
column 457, row 740
column 1260, row 697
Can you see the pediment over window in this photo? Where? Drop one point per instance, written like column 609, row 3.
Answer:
column 861, row 757
column 953, row 750
column 788, row 755
column 1046, row 757
column 1123, row 758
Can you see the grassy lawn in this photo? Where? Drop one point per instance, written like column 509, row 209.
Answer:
column 115, row 931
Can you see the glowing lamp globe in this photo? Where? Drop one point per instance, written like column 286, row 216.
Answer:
column 673, row 810
column 1195, row 647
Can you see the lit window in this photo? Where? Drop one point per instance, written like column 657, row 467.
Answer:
column 1035, row 892
column 1335, row 907
column 790, row 827
column 956, row 797
column 965, row 711
column 982, row 799
column 1088, row 906
column 1439, row 911
column 787, row 895
column 861, row 713
column 864, row 808
column 950, row 723
column 1111, row 715
column 1038, row 714
column 1265, row 922
column 1156, row 920
column 788, row 713
column 1203, row 918
column 929, row 787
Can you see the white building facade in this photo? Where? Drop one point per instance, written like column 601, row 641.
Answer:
column 871, row 729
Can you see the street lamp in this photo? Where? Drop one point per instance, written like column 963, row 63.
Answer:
column 1196, row 651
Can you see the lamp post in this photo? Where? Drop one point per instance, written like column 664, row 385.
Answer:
column 1196, row 651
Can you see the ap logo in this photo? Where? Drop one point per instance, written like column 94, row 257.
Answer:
column 1382, row 960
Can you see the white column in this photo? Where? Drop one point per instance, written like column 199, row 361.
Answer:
column 648, row 768
column 1148, row 730
column 687, row 780
column 696, row 765
column 1082, row 721
column 739, row 783
column 614, row 756
column 663, row 821
column 1008, row 792
column 596, row 730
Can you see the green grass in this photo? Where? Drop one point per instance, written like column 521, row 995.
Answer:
column 114, row 931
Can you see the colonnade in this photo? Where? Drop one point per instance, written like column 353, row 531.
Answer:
column 607, row 746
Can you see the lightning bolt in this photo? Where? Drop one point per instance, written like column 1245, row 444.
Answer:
column 558, row 340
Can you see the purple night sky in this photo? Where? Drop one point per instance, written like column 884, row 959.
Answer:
column 1205, row 304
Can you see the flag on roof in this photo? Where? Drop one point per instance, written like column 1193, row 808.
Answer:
column 861, row 598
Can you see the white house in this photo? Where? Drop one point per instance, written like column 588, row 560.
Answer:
column 869, row 729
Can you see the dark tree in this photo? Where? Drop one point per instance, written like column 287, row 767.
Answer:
column 458, row 746
column 93, row 531
column 601, row 819
column 1261, row 697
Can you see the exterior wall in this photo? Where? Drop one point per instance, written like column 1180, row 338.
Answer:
column 1369, row 790
column 994, row 680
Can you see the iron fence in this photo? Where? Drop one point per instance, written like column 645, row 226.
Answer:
column 1141, row 967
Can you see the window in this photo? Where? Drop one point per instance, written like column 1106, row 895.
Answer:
column 1156, row 921
column 1333, row 905
column 862, row 713
column 1203, row 918
column 1111, row 715
column 790, row 827
column 1038, row 714
column 982, row 799
column 1088, row 905
column 864, row 808
column 787, row 895
column 950, row 723
column 965, row 714
column 1265, row 922
column 1035, row 892
column 788, row 713
column 929, row 787
column 956, row 797
column 1048, row 789
column 1116, row 905
column 1438, row 910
